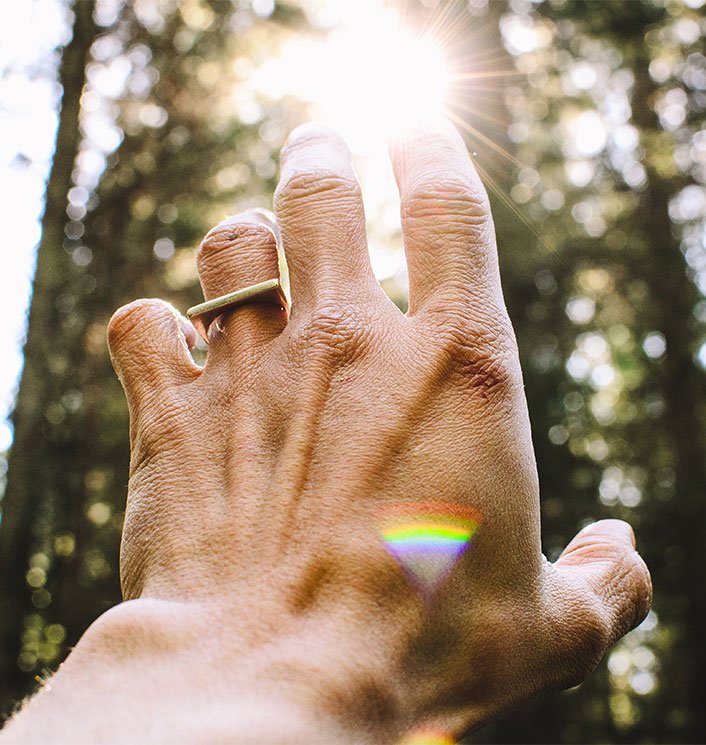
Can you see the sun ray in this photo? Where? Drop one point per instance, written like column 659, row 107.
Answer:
column 474, row 132
column 437, row 21
column 510, row 205
column 410, row 64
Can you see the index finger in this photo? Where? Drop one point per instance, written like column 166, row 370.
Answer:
column 446, row 222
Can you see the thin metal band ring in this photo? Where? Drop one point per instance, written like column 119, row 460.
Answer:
column 203, row 314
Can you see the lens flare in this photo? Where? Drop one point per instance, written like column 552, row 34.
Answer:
column 427, row 539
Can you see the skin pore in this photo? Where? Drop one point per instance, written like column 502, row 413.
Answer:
column 262, row 605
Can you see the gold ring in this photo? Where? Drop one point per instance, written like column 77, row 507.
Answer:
column 204, row 314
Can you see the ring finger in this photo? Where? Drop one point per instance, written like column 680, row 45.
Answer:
column 239, row 252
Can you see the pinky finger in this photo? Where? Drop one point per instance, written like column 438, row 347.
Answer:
column 149, row 344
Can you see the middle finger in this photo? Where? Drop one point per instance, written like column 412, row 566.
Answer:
column 320, row 212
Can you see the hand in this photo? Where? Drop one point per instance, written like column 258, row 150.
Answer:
column 252, row 552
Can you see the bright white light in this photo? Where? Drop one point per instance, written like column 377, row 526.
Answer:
column 642, row 682
column 583, row 75
column 28, row 33
column 701, row 356
column 619, row 662
column 579, row 172
column 602, row 376
column 581, row 309
column 522, row 34
column 578, row 366
column 655, row 345
column 367, row 77
column 589, row 134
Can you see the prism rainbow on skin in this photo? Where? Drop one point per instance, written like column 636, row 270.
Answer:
column 427, row 538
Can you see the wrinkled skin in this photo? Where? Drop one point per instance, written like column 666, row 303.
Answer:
column 256, row 479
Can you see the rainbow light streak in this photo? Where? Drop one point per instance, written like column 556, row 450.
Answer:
column 428, row 738
column 427, row 539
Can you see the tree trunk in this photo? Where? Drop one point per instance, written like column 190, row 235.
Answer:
column 29, row 478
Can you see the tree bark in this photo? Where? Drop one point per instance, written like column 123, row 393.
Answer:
column 29, row 480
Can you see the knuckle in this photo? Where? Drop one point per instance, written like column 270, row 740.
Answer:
column 162, row 430
column 479, row 356
column 587, row 640
column 459, row 197
column 307, row 184
column 337, row 331
column 629, row 593
column 233, row 233
column 593, row 636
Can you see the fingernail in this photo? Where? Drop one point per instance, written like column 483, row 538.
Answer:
column 617, row 529
column 188, row 330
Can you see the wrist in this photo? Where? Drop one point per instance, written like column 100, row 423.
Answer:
column 160, row 671
column 272, row 679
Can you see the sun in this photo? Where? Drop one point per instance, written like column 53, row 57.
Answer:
column 368, row 77
column 408, row 78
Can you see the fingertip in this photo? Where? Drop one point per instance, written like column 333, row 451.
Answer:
column 314, row 145
column 261, row 215
column 313, row 131
column 125, row 320
column 603, row 558
column 616, row 530
column 266, row 218
column 148, row 341
column 423, row 132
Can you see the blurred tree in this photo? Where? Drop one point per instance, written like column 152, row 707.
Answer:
column 25, row 494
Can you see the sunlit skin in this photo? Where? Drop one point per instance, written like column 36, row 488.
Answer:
column 428, row 738
column 261, row 604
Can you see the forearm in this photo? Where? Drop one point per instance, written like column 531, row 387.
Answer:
column 159, row 674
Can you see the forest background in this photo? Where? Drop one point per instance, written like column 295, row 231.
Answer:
column 587, row 120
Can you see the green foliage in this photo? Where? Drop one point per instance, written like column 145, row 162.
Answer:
column 609, row 333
